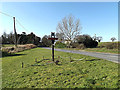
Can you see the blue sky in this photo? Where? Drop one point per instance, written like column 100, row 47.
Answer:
column 100, row 18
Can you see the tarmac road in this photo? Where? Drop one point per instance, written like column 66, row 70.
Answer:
column 107, row 56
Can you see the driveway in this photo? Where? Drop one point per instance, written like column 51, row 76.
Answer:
column 107, row 56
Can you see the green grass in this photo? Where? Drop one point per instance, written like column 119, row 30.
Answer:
column 7, row 45
column 103, row 43
column 88, row 73
column 102, row 50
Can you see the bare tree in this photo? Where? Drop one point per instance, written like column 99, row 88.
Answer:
column 60, row 36
column 94, row 37
column 69, row 27
column 99, row 38
column 113, row 39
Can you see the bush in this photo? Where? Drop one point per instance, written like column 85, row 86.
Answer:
column 60, row 45
column 101, row 46
column 75, row 45
column 18, row 49
column 81, row 46
column 119, row 46
column 7, row 49
column 111, row 45
column 5, row 53
column 87, row 41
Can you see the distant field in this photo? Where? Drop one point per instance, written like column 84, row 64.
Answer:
column 87, row 73
column 104, row 43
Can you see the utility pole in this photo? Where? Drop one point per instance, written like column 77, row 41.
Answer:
column 15, row 33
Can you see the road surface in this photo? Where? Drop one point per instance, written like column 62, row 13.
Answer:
column 107, row 56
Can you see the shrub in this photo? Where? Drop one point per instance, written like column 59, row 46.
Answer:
column 101, row 46
column 75, row 45
column 87, row 41
column 119, row 46
column 90, row 44
column 111, row 45
column 60, row 45
column 7, row 49
column 81, row 46
column 19, row 48
column 115, row 45
column 5, row 53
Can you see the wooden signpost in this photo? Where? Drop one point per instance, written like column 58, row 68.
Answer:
column 53, row 40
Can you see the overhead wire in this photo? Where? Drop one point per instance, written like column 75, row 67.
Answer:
column 3, row 13
column 21, row 25
column 6, row 14
column 16, row 20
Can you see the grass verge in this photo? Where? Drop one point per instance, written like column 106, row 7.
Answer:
column 87, row 73
column 102, row 50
